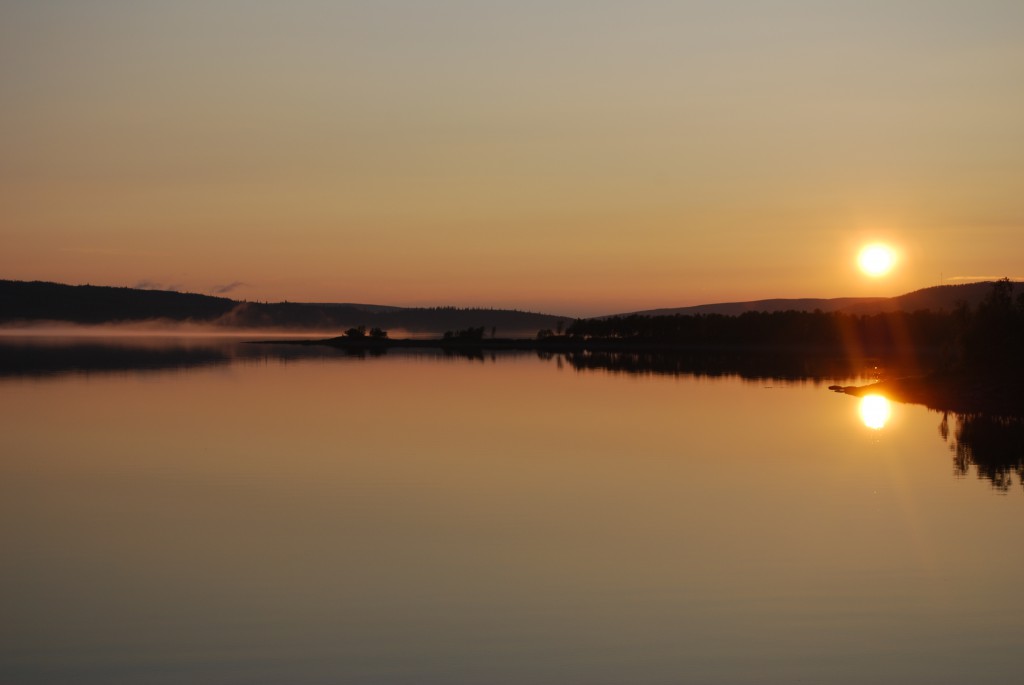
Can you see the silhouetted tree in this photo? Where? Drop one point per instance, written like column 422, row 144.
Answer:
column 993, row 445
column 471, row 333
column 993, row 336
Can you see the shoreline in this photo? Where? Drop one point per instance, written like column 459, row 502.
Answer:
column 565, row 344
column 961, row 393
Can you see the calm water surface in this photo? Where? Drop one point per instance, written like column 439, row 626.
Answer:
column 291, row 515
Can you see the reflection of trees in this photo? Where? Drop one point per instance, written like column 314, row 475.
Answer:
column 745, row 364
column 23, row 358
column 994, row 445
column 58, row 356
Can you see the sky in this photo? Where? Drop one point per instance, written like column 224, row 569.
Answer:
column 574, row 157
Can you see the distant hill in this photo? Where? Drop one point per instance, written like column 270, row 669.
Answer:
column 805, row 304
column 90, row 304
column 935, row 298
column 34, row 302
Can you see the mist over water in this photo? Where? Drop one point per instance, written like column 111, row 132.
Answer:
column 166, row 328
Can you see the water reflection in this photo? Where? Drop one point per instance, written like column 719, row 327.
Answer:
column 875, row 411
column 49, row 357
column 747, row 364
column 24, row 356
column 60, row 355
column 993, row 445
column 436, row 520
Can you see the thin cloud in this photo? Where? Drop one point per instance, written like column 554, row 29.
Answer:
column 116, row 251
column 224, row 289
column 146, row 284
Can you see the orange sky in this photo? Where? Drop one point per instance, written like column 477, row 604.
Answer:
column 573, row 157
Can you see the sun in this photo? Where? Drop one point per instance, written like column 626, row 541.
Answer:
column 875, row 411
column 876, row 259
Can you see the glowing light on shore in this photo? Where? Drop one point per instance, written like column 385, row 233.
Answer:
column 875, row 411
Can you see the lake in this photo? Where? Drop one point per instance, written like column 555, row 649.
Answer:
column 204, row 511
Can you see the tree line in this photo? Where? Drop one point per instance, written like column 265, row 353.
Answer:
column 989, row 336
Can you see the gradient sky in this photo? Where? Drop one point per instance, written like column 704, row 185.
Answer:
column 579, row 157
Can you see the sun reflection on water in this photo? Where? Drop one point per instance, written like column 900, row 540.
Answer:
column 875, row 411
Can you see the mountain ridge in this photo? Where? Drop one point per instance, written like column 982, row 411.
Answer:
column 27, row 303
column 33, row 302
column 935, row 298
